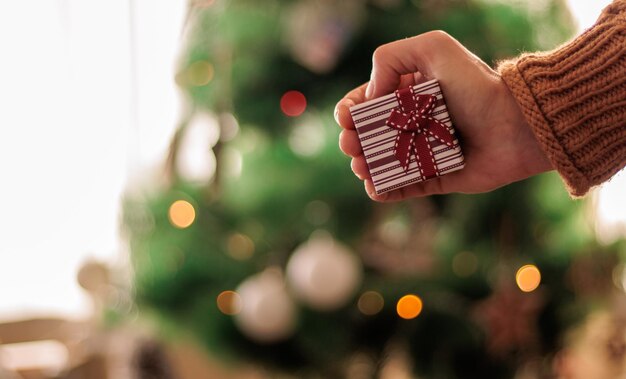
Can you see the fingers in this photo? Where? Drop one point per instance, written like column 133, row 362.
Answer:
column 359, row 167
column 397, row 65
column 371, row 191
column 342, row 109
column 411, row 79
column 435, row 186
column 391, row 61
column 349, row 143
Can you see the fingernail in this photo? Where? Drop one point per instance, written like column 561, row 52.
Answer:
column 369, row 90
column 370, row 193
column 352, row 163
column 336, row 113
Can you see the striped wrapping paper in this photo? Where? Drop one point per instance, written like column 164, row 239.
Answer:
column 377, row 140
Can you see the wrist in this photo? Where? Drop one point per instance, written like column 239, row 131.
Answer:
column 528, row 152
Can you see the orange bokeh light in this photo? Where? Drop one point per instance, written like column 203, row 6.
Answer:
column 528, row 278
column 293, row 103
column 409, row 307
column 181, row 214
column 229, row 302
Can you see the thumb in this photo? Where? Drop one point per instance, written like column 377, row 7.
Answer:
column 407, row 56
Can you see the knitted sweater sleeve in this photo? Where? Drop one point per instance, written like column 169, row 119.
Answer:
column 574, row 99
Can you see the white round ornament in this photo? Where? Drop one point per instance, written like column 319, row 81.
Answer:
column 268, row 314
column 324, row 273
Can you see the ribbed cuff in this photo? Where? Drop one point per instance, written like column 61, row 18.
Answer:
column 573, row 178
column 574, row 99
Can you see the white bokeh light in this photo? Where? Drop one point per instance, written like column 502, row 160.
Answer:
column 610, row 209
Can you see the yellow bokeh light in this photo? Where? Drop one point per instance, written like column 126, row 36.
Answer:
column 181, row 214
column 528, row 278
column 409, row 307
column 229, row 302
column 200, row 73
column 240, row 246
column 370, row 303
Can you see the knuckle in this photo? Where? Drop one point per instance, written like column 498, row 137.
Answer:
column 380, row 53
column 438, row 36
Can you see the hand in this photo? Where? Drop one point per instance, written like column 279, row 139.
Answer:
column 498, row 144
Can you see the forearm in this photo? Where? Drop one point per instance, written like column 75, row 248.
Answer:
column 574, row 99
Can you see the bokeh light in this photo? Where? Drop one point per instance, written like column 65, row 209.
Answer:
column 610, row 210
column 409, row 307
column 317, row 212
column 464, row 264
column 232, row 162
column 395, row 232
column 194, row 161
column 200, row 73
column 240, row 246
column 370, row 303
column 528, row 278
column 181, row 214
column 293, row 103
column 229, row 126
column 307, row 137
column 229, row 302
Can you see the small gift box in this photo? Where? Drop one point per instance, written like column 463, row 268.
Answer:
column 407, row 137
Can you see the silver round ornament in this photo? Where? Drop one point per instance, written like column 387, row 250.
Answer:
column 268, row 313
column 324, row 273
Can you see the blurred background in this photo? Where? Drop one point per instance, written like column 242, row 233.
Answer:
column 175, row 205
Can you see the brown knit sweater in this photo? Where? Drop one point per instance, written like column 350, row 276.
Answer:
column 574, row 99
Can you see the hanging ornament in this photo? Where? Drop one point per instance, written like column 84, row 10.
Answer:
column 268, row 314
column 324, row 273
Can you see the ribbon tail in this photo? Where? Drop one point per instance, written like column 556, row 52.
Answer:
column 425, row 158
column 403, row 149
column 439, row 130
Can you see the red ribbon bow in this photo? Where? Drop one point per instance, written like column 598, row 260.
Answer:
column 413, row 118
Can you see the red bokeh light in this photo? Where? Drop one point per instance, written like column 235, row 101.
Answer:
column 293, row 103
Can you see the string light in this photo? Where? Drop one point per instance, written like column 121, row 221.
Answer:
column 293, row 103
column 370, row 303
column 200, row 73
column 229, row 302
column 181, row 214
column 528, row 278
column 240, row 246
column 409, row 307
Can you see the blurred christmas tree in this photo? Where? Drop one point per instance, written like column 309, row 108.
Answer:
column 262, row 244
